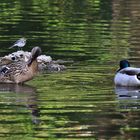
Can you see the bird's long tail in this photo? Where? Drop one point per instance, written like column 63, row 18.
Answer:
column 12, row 46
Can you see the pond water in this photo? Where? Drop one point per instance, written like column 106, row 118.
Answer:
column 81, row 102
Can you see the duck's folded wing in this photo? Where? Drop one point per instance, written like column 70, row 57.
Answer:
column 130, row 71
column 4, row 70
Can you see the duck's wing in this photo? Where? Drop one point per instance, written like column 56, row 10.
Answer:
column 13, row 68
column 10, row 71
column 130, row 71
column 4, row 70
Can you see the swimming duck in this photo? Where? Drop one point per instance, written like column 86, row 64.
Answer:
column 126, row 75
column 20, row 71
column 19, row 43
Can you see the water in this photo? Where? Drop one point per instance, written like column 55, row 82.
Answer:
column 81, row 102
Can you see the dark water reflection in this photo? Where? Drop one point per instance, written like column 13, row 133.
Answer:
column 80, row 102
column 19, row 109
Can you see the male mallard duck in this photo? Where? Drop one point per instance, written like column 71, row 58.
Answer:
column 126, row 75
column 21, row 71
column 19, row 43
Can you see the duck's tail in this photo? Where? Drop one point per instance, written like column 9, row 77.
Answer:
column 138, row 76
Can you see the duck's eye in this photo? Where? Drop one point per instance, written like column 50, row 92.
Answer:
column 13, row 58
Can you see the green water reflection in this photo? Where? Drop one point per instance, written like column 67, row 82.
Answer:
column 82, row 101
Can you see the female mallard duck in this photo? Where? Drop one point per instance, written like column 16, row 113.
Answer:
column 126, row 75
column 21, row 71
column 24, row 56
column 44, row 62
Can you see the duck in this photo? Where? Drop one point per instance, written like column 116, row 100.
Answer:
column 45, row 63
column 23, row 55
column 14, row 57
column 127, row 76
column 21, row 71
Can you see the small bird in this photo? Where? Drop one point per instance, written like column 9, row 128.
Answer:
column 21, row 71
column 19, row 43
column 126, row 75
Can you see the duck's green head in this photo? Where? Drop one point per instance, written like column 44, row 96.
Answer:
column 124, row 64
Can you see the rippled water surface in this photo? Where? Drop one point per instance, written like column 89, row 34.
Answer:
column 82, row 101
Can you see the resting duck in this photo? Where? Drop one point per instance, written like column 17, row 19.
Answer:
column 126, row 75
column 44, row 62
column 15, row 56
column 20, row 71
column 23, row 55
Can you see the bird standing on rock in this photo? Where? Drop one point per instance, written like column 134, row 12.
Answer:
column 19, row 43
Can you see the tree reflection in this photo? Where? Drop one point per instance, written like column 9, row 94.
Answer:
column 19, row 107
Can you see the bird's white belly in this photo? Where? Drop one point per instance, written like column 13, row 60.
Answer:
column 126, row 80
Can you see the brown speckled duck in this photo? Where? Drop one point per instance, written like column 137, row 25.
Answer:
column 21, row 71
column 45, row 63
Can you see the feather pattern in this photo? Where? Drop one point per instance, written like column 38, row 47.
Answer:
column 20, row 72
